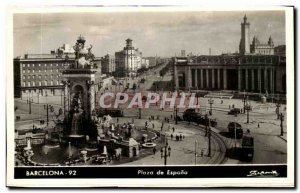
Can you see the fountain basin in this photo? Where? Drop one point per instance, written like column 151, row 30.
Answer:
column 149, row 145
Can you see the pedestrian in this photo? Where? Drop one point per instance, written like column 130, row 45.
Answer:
column 233, row 106
column 171, row 116
column 229, row 106
column 154, row 150
column 173, row 129
column 180, row 137
column 171, row 136
column 258, row 125
column 152, row 125
column 177, row 138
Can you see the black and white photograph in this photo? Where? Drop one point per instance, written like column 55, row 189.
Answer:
column 155, row 93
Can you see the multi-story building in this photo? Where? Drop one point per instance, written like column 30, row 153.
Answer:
column 128, row 60
column 108, row 64
column 262, row 48
column 246, row 71
column 280, row 50
column 42, row 73
column 145, row 63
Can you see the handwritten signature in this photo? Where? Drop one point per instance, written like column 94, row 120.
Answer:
column 254, row 173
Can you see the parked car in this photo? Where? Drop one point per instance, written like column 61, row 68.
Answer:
column 234, row 111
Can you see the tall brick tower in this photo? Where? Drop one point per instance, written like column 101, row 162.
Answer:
column 245, row 37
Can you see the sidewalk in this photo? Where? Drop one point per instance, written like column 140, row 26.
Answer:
column 182, row 152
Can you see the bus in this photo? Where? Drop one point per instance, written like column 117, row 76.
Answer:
column 247, row 150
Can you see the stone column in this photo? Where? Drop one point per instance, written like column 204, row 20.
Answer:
column 187, row 81
column 66, row 99
column 218, row 74
column 266, row 79
column 92, row 99
column 259, row 79
column 246, row 77
column 252, row 80
column 196, row 78
column 176, row 83
column 224, row 79
column 213, row 77
column 189, row 77
column 201, row 78
column 207, row 79
column 239, row 79
column 271, row 81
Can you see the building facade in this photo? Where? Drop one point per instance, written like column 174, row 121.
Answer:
column 41, row 74
column 145, row 63
column 262, row 48
column 255, row 69
column 108, row 64
column 251, row 73
column 128, row 60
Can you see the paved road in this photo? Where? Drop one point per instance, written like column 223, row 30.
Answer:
column 269, row 146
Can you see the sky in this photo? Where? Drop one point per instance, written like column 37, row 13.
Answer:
column 154, row 33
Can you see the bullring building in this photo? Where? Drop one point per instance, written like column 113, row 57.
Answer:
column 257, row 68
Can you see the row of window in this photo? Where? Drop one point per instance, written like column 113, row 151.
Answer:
column 33, row 65
column 40, row 76
column 264, row 51
column 40, row 83
column 29, row 71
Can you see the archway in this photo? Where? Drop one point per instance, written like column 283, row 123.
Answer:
column 134, row 153
column 77, row 98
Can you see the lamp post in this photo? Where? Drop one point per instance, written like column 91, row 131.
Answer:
column 38, row 96
column 247, row 108
column 140, row 113
column 209, row 139
column 176, row 112
column 165, row 153
column 47, row 109
column 29, row 103
column 244, row 100
column 206, row 125
column 277, row 109
column 234, row 134
column 211, row 102
column 281, row 123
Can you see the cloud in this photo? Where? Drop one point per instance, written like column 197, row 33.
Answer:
column 162, row 33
